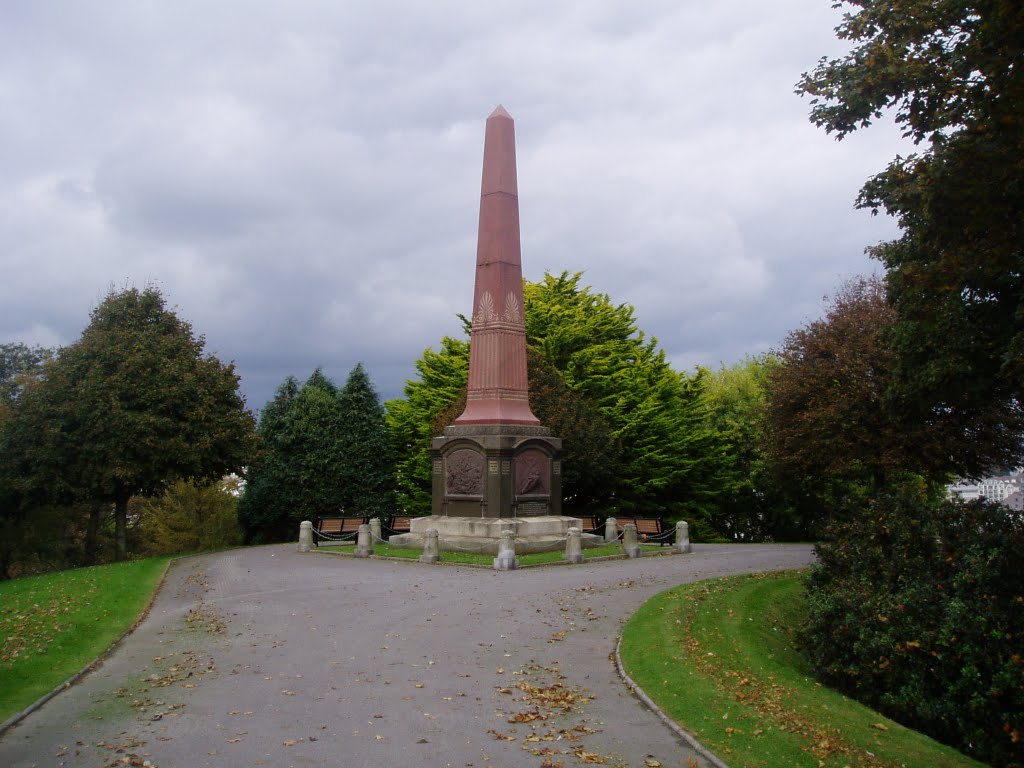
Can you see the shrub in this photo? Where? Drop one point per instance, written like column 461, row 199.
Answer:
column 917, row 609
column 189, row 517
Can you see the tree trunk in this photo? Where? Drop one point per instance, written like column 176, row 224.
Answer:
column 121, row 527
column 92, row 533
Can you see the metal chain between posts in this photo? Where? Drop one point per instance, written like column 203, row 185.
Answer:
column 330, row 537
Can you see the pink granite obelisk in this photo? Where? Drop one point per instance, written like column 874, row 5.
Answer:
column 498, row 389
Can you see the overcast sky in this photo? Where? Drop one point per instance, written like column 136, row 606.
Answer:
column 301, row 179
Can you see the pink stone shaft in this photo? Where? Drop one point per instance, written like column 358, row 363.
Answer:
column 498, row 389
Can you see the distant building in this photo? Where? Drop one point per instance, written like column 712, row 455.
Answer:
column 999, row 489
column 1015, row 501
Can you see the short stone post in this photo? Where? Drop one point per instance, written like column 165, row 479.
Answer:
column 506, row 559
column 375, row 529
column 683, row 537
column 611, row 529
column 305, row 536
column 364, row 544
column 629, row 543
column 573, row 548
column 430, row 547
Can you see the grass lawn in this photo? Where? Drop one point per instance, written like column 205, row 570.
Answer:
column 471, row 558
column 51, row 626
column 718, row 657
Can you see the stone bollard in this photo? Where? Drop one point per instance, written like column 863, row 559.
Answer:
column 683, row 537
column 611, row 529
column 375, row 529
column 573, row 548
column 629, row 542
column 506, row 559
column 305, row 536
column 430, row 547
column 364, row 544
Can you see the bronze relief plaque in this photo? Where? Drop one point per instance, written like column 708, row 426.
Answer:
column 465, row 473
column 533, row 473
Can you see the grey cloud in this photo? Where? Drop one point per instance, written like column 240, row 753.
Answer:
column 303, row 180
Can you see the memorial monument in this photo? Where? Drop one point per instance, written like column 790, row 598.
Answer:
column 496, row 467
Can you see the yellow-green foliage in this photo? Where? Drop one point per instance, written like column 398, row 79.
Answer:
column 190, row 517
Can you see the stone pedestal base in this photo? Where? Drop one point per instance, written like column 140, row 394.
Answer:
column 482, row 534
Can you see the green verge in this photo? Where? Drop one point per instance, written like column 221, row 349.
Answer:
column 718, row 658
column 471, row 558
column 52, row 626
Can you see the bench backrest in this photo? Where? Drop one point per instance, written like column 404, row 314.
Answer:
column 400, row 523
column 646, row 525
column 588, row 522
column 334, row 525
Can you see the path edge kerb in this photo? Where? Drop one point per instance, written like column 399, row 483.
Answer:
column 672, row 724
column 13, row 720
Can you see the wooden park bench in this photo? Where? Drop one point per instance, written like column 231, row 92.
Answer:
column 397, row 524
column 591, row 524
column 337, row 530
column 649, row 530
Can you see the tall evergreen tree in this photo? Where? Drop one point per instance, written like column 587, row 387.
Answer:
column 367, row 473
column 265, row 505
column 296, row 474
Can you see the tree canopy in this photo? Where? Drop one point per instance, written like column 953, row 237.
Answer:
column 951, row 72
column 828, row 418
column 19, row 363
column 133, row 405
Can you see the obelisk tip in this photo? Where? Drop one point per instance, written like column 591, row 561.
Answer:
column 499, row 111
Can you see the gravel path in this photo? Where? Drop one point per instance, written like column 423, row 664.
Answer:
column 265, row 656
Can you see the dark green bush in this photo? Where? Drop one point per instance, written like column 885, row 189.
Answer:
column 917, row 609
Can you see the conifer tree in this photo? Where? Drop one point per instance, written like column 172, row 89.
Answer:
column 367, row 472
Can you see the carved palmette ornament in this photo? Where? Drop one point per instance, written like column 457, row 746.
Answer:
column 464, row 474
column 513, row 314
column 485, row 312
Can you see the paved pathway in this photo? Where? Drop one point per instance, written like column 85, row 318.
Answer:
column 267, row 657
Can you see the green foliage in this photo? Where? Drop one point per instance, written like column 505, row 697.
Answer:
column 672, row 463
column 591, row 455
column 442, row 377
column 190, row 517
column 322, row 451
column 651, row 450
column 951, row 73
column 916, row 608
column 131, row 406
column 758, row 507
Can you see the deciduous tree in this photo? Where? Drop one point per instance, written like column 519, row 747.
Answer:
column 758, row 507
column 828, row 419
column 951, row 73
column 131, row 406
